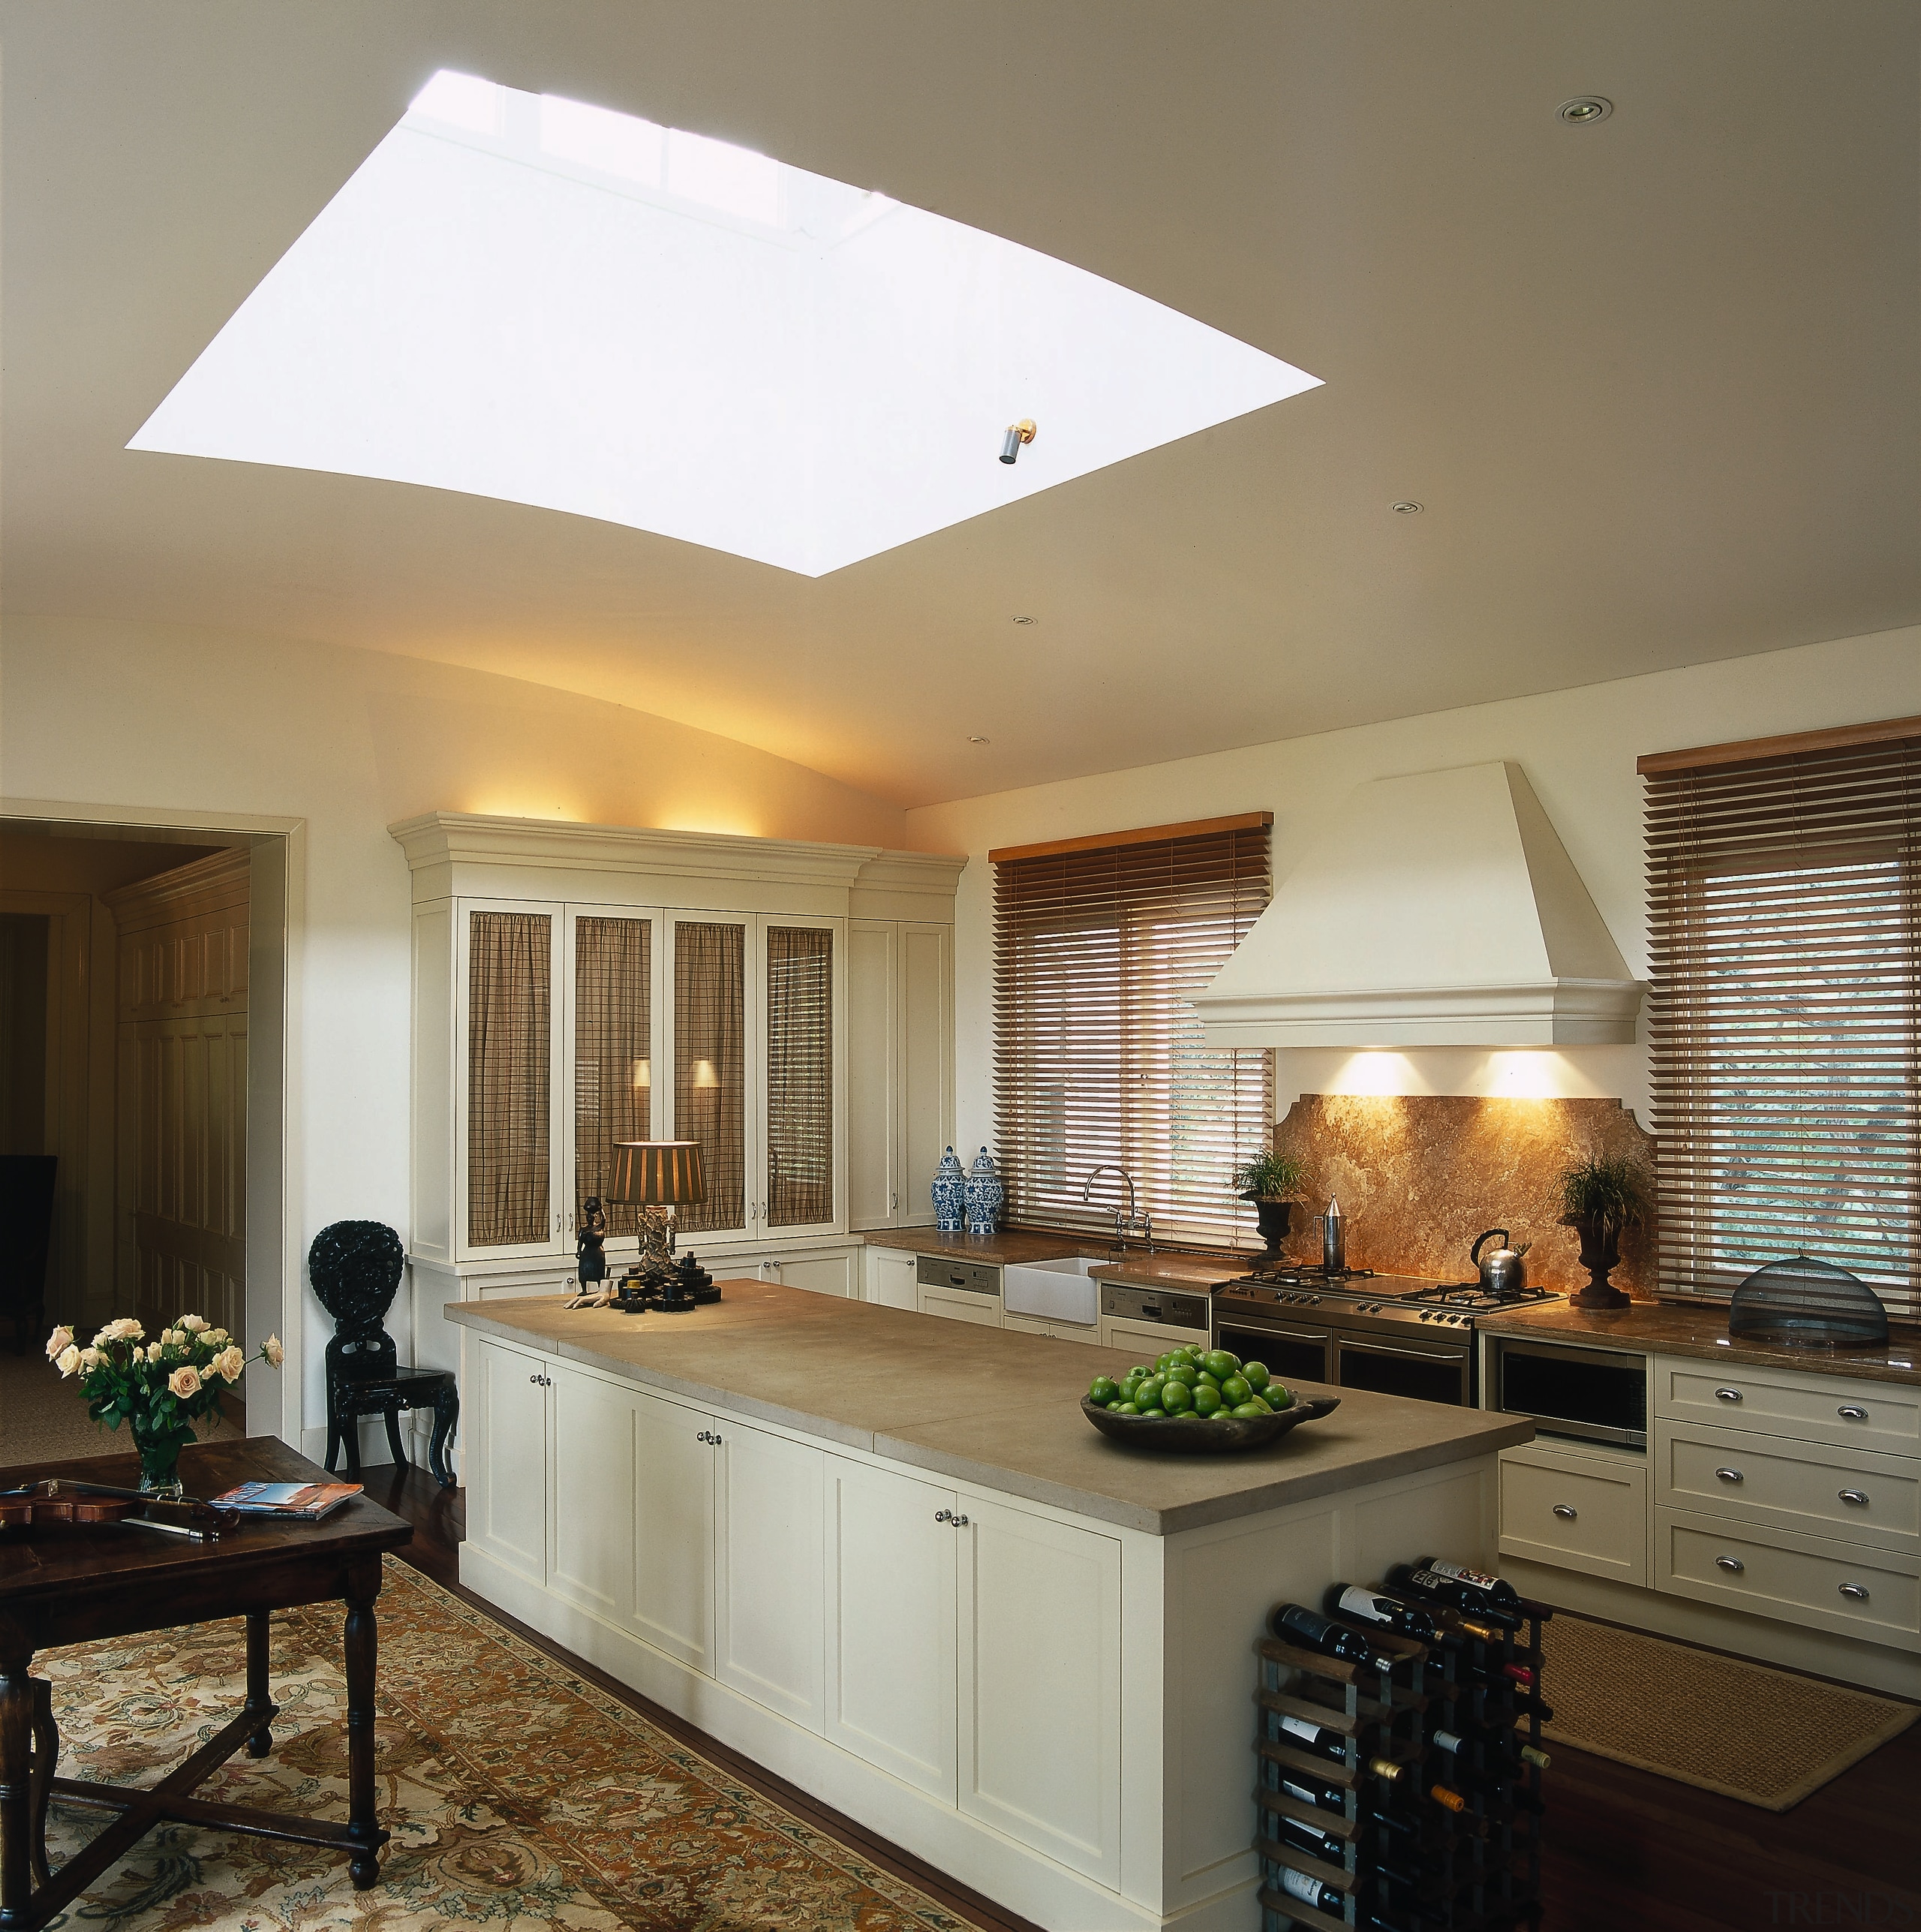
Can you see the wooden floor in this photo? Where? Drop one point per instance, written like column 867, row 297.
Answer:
column 1626, row 1851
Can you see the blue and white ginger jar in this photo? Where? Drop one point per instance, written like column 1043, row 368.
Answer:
column 950, row 1194
column 985, row 1195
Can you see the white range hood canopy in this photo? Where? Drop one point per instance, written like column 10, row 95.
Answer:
column 1443, row 911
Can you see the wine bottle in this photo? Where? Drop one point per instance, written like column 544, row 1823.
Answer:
column 1304, row 1734
column 1295, row 1623
column 1370, row 1607
column 1407, row 1579
column 1317, row 1843
column 1497, row 1748
column 1450, row 1623
column 1386, row 1770
column 1311, row 1890
column 1310, row 1791
column 1486, row 1588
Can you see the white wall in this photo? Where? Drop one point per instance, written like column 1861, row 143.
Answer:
column 1578, row 748
column 146, row 718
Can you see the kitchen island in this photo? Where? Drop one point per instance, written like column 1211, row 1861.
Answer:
column 885, row 1556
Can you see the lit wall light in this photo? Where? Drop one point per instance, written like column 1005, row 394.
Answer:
column 703, row 1075
column 642, row 1072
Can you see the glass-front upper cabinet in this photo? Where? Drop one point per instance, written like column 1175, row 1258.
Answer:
column 614, row 1015
column 798, row 1169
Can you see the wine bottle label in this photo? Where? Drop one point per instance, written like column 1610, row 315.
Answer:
column 1477, row 1579
column 1299, row 1727
column 1363, row 1603
column 1298, row 1885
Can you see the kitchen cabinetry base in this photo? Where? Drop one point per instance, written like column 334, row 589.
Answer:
column 1763, row 1639
column 964, row 1848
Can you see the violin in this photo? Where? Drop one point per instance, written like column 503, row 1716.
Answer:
column 89, row 1505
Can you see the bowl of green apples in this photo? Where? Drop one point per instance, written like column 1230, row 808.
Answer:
column 1199, row 1401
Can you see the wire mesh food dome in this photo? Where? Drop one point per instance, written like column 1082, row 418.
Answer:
column 1807, row 1304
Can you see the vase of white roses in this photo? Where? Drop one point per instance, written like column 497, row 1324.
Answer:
column 159, row 1389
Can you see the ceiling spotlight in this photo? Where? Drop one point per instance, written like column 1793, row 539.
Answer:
column 1408, row 509
column 1023, row 620
column 1017, row 433
column 977, row 740
column 1584, row 108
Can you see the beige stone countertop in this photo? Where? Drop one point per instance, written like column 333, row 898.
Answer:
column 1681, row 1327
column 983, row 1406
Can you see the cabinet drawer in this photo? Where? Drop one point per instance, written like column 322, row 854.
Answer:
column 983, row 1310
column 1577, row 1513
column 1872, row 1594
column 1774, row 1481
column 1883, row 1416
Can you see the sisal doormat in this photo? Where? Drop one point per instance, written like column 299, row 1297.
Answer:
column 1764, row 1736
column 519, row 1796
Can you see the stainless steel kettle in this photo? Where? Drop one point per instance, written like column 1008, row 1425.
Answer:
column 1503, row 1273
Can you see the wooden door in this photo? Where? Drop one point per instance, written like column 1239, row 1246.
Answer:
column 891, row 1686
column 1040, row 1685
column 593, row 1479
column 507, row 1456
column 673, row 1530
column 770, row 1535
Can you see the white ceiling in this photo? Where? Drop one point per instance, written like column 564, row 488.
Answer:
column 1655, row 379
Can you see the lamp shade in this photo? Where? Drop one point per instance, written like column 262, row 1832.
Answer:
column 657, row 1174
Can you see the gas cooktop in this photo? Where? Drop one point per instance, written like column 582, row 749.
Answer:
column 1398, row 1297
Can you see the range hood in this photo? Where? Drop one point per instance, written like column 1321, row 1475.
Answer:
column 1442, row 911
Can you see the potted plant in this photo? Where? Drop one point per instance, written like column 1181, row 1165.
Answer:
column 158, row 1388
column 1272, row 1182
column 1601, row 1194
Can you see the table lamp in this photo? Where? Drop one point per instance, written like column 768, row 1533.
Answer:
column 654, row 1176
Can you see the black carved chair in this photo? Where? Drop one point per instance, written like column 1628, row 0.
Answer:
column 355, row 1267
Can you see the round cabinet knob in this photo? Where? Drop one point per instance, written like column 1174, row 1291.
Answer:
column 1853, row 1412
column 1728, row 1475
column 943, row 1515
column 1566, row 1513
column 1728, row 1395
column 1854, row 1592
column 1732, row 1565
column 1858, row 1498
column 960, row 1523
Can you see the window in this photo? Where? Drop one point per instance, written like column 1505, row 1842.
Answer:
column 1784, row 898
column 1099, row 944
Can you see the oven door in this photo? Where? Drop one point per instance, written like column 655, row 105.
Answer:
column 1291, row 1353
column 1427, row 1372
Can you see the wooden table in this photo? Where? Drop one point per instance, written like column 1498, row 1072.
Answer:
column 62, row 1585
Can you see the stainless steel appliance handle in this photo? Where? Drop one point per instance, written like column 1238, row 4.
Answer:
column 1359, row 1345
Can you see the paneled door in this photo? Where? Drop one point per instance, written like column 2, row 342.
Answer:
column 596, row 1471
column 513, row 1183
column 508, row 1389
column 892, row 1548
column 673, row 1530
column 900, row 1074
column 1040, row 1685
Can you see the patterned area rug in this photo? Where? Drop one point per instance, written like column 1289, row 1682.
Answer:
column 517, row 1795
column 1764, row 1736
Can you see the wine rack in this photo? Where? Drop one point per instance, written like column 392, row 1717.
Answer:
column 1396, row 1857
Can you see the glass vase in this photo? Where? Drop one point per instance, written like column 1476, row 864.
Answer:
column 159, row 1452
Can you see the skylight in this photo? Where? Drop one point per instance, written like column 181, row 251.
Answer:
column 522, row 296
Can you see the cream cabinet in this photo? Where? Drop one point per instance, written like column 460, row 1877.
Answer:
column 888, row 1276
column 1579, row 1512
column 900, row 1068
column 1147, row 1341
column 506, row 1425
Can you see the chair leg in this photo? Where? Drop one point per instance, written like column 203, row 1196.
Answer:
column 393, row 1438
column 350, row 1436
column 446, row 1416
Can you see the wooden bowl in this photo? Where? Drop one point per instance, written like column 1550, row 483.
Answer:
column 1218, row 1435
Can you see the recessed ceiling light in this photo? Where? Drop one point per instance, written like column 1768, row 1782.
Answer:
column 1024, row 620
column 1408, row 509
column 979, row 741
column 1584, row 108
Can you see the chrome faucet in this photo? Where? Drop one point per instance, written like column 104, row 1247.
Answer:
column 1127, row 1224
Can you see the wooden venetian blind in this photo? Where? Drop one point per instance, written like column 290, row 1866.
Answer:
column 1098, row 1056
column 1785, row 1008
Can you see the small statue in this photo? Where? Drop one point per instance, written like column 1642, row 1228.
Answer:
column 590, row 1249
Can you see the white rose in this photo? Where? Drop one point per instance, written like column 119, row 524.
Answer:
column 184, row 1381
column 90, row 1359
column 172, row 1338
column 271, row 1349
column 68, row 1360
column 125, row 1329
column 195, row 1323
column 58, row 1343
column 153, row 1351
column 228, row 1364
column 216, row 1338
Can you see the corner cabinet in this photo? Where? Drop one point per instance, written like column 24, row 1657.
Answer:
column 574, row 986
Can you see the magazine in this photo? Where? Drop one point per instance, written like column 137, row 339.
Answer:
column 304, row 1502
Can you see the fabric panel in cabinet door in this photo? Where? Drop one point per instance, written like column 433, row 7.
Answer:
column 509, row 1438
column 591, row 1511
column 710, row 1065
column 510, row 1081
column 612, row 1047
column 1040, row 1685
column 890, row 1621
column 673, row 1531
column 772, row 1533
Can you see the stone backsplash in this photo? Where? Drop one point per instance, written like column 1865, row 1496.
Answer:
column 1419, row 1175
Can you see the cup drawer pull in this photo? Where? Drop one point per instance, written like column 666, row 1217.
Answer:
column 1564, row 1511
column 1853, row 1411
column 1855, row 1591
column 1728, row 1475
column 1859, row 1497
column 1732, row 1565
column 1728, row 1395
